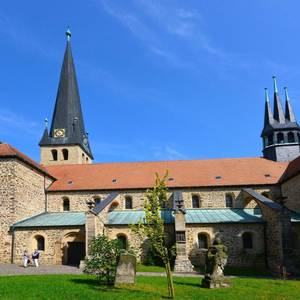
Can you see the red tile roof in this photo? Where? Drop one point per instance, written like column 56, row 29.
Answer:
column 7, row 151
column 184, row 173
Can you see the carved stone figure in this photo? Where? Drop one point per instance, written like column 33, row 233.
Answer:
column 216, row 259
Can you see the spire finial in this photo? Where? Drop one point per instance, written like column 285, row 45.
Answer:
column 68, row 34
column 275, row 84
column 287, row 98
column 46, row 123
column 267, row 95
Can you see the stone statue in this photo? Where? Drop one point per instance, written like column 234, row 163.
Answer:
column 216, row 259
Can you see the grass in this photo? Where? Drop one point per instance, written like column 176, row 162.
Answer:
column 72, row 287
column 229, row 270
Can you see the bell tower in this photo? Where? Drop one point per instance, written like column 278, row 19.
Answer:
column 281, row 132
column 67, row 141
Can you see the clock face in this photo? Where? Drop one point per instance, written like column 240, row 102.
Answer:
column 59, row 132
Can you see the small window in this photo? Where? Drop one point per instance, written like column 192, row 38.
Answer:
column 65, row 153
column 195, row 201
column 66, row 204
column 97, row 200
column 229, row 200
column 291, row 137
column 87, row 160
column 122, row 241
column 280, row 138
column 202, row 241
column 247, row 240
column 40, row 243
column 128, row 202
column 180, row 236
column 54, row 154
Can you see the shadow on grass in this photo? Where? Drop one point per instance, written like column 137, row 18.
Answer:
column 187, row 283
column 95, row 284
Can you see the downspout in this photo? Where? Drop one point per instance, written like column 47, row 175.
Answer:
column 12, row 244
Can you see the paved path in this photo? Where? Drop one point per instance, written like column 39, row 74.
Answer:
column 12, row 269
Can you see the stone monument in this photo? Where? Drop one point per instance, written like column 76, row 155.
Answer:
column 216, row 259
column 126, row 269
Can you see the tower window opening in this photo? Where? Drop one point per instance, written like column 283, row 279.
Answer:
column 65, row 153
column 228, row 200
column 54, row 154
column 270, row 140
column 291, row 137
column 66, row 204
column 128, row 202
column 195, row 201
column 280, row 138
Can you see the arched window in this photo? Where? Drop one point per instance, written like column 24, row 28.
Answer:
column 280, row 138
column 66, row 204
column 82, row 158
column 113, row 206
column 128, row 202
column 195, row 201
column 40, row 242
column 229, row 200
column 65, row 153
column 97, row 200
column 291, row 137
column 54, row 154
column 122, row 241
column 86, row 160
column 247, row 240
column 270, row 140
column 202, row 241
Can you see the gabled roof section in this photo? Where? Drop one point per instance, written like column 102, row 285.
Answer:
column 7, row 151
column 67, row 112
column 182, row 173
column 100, row 206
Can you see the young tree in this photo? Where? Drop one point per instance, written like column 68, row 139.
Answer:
column 103, row 258
column 152, row 227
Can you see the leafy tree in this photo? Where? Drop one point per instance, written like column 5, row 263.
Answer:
column 152, row 227
column 103, row 258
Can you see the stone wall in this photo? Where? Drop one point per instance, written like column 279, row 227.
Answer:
column 56, row 240
column 22, row 195
column 76, row 156
column 291, row 190
column 209, row 198
column 231, row 236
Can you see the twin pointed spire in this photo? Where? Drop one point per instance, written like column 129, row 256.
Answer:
column 278, row 115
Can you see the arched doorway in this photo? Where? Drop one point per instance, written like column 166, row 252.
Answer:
column 73, row 248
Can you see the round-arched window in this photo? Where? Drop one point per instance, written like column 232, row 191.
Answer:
column 202, row 241
column 40, row 242
column 122, row 241
column 247, row 238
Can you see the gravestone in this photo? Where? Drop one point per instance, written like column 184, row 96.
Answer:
column 216, row 259
column 126, row 269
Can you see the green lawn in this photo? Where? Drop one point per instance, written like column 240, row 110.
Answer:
column 86, row 287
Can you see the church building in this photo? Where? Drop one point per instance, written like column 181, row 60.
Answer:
column 59, row 204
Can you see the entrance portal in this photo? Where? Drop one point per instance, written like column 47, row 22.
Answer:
column 76, row 253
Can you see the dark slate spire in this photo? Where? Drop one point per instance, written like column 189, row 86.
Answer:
column 67, row 116
column 278, row 111
column 268, row 113
column 289, row 114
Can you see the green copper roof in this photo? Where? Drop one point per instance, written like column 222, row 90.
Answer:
column 53, row 219
column 192, row 216
column 226, row 215
column 125, row 217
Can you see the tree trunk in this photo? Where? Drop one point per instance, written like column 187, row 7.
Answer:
column 170, row 280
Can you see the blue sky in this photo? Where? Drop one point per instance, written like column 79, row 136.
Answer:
column 158, row 80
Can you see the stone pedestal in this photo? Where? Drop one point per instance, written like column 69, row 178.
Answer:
column 183, row 265
column 214, row 282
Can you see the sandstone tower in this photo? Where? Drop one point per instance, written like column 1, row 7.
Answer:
column 67, row 141
column 281, row 132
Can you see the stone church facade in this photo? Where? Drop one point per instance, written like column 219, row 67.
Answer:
column 61, row 203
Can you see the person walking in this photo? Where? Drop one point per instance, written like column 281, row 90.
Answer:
column 25, row 259
column 35, row 258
